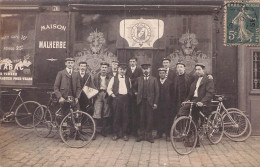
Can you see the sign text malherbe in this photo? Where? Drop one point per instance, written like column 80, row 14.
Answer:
column 53, row 27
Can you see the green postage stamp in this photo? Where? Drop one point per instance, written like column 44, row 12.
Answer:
column 242, row 23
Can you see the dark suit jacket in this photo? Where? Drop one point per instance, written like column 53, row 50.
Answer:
column 97, row 80
column 84, row 79
column 165, row 94
column 61, row 85
column 205, row 91
column 133, row 76
column 171, row 75
column 153, row 90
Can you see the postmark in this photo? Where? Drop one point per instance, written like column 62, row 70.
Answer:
column 242, row 23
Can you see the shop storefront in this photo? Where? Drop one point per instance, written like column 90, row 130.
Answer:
column 35, row 40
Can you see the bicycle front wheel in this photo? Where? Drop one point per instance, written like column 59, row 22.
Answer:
column 24, row 114
column 235, row 122
column 42, row 121
column 215, row 127
column 77, row 129
column 184, row 135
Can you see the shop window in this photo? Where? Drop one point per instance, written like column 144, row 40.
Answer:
column 256, row 70
column 17, row 48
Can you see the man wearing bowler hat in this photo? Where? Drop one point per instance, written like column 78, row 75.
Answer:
column 119, row 88
column 66, row 85
column 201, row 92
column 147, row 92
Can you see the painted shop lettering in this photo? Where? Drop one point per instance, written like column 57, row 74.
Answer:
column 53, row 27
column 52, row 44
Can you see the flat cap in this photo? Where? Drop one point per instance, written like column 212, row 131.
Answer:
column 122, row 65
column 115, row 61
column 166, row 58
column 162, row 69
column 145, row 65
column 104, row 63
column 69, row 59
column 180, row 62
column 200, row 64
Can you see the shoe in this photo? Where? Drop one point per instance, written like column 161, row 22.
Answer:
column 103, row 133
column 126, row 138
column 150, row 140
column 158, row 136
column 115, row 137
column 139, row 138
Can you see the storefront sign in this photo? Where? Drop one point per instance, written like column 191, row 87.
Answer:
column 141, row 32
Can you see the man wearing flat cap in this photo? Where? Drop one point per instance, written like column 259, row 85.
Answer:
column 114, row 67
column 170, row 74
column 101, row 104
column 119, row 88
column 133, row 72
column 201, row 92
column 164, row 106
column 66, row 85
column 180, row 87
column 85, row 80
column 147, row 92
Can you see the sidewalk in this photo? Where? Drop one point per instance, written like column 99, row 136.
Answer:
column 22, row 148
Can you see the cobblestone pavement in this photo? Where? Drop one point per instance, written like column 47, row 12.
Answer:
column 21, row 147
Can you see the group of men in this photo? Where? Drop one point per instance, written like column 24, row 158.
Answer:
column 132, row 101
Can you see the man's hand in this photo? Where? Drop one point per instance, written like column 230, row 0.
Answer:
column 154, row 106
column 113, row 95
column 199, row 104
column 183, row 103
column 61, row 100
column 76, row 100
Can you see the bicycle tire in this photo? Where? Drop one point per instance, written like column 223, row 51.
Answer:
column 215, row 127
column 231, row 129
column 42, row 121
column 179, row 134
column 24, row 114
column 76, row 137
column 245, row 135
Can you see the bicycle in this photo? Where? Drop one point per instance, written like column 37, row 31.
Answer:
column 23, row 114
column 237, row 126
column 185, row 133
column 76, row 129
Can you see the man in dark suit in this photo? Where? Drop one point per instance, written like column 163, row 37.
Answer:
column 67, row 84
column 85, row 80
column 164, row 106
column 102, row 110
column 147, row 91
column 201, row 92
column 133, row 72
column 180, row 87
column 170, row 74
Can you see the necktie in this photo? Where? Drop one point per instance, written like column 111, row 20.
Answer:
column 122, row 76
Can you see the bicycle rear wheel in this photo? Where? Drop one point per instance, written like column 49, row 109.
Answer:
column 79, row 132
column 184, row 135
column 42, row 121
column 236, row 126
column 245, row 135
column 24, row 114
column 215, row 127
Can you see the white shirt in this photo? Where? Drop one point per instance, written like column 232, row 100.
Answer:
column 82, row 74
column 122, row 86
column 114, row 73
column 69, row 71
column 162, row 80
column 167, row 72
column 197, row 87
column 103, row 82
column 146, row 77
column 133, row 69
